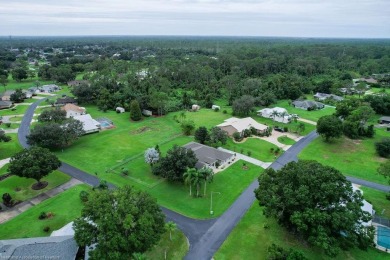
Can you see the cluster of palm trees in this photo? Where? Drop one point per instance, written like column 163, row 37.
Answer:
column 194, row 177
column 277, row 114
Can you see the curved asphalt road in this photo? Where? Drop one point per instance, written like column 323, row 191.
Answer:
column 205, row 236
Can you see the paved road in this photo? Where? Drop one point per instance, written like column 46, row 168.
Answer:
column 205, row 236
column 209, row 243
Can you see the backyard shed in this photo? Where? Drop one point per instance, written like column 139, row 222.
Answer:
column 120, row 110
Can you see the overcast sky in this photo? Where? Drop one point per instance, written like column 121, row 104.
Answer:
column 300, row 18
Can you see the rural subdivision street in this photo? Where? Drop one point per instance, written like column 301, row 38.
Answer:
column 205, row 236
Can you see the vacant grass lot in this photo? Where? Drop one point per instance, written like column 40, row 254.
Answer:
column 355, row 158
column 250, row 240
column 20, row 188
column 378, row 200
column 259, row 149
column 65, row 207
column 10, row 148
column 175, row 249
column 310, row 115
column 18, row 110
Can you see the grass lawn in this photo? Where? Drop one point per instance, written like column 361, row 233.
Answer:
column 286, row 140
column 309, row 115
column 65, row 207
column 11, row 184
column 355, row 158
column 12, row 126
column 18, row 110
column 203, row 117
column 175, row 249
column 250, row 240
column 259, row 148
column 4, row 169
column 10, row 148
column 378, row 200
column 15, row 118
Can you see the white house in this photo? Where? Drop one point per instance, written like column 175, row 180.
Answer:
column 234, row 124
column 73, row 110
column 90, row 125
column 278, row 114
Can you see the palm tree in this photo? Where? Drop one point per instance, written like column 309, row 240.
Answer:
column 207, row 175
column 170, row 226
column 189, row 177
column 274, row 114
column 197, row 180
column 283, row 115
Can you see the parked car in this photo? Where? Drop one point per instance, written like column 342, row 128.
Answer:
column 279, row 129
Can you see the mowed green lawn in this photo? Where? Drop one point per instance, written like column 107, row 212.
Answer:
column 286, row 140
column 378, row 200
column 17, row 110
column 20, row 188
column 65, row 207
column 250, row 240
column 10, row 148
column 259, row 148
column 175, row 249
column 355, row 158
column 309, row 115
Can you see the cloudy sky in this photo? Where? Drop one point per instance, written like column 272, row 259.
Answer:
column 300, row 18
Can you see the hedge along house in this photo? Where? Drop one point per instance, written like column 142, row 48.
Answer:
column 208, row 156
column 233, row 125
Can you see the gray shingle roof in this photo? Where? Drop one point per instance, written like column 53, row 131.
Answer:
column 63, row 247
column 206, row 154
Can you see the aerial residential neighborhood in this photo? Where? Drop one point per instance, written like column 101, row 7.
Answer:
column 217, row 146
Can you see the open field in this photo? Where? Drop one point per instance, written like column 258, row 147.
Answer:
column 355, row 158
column 259, row 149
column 20, row 188
column 250, row 240
column 10, row 148
column 65, row 207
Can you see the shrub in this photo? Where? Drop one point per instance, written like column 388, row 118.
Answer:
column 43, row 215
column 247, row 133
column 7, row 200
column 217, row 109
column 285, row 129
column 241, row 151
column 388, row 196
column 249, row 153
column 6, row 138
column 277, row 150
column 272, row 150
column 266, row 226
column 383, row 147
column 8, row 125
column 237, row 136
column 46, row 229
column 225, row 112
column 125, row 171
column 84, row 196
column 217, row 164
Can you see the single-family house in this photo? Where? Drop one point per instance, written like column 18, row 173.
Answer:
column 5, row 104
column 278, row 114
column 215, row 107
column 90, row 125
column 66, row 100
column 384, row 120
column 308, row 104
column 73, row 110
column 195, row 107
column 58, row 247
column 49, row 88
column 233, row 124
column 208, row 156
column 6, row 96
column 120, row 110
column 323, row 96
column 76, row 83
column 146, row 112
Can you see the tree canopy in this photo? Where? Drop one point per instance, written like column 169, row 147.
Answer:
column 329, row 127
column 317, row 203
column 119, row 223
column 175, row 163
column 52, row 115
column 35, row 163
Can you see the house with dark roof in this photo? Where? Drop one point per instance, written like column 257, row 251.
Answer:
column 5, row 104
column 56, row 247
column 384, row 120
column 323, row 96
column 66, row 100
column 208, row 156
column 308, row 104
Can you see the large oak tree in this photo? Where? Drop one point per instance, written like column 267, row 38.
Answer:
column 317, row 203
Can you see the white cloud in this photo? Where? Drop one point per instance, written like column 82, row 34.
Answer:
column 332, row 18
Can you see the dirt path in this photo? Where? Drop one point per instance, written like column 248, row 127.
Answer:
column 307, row 121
